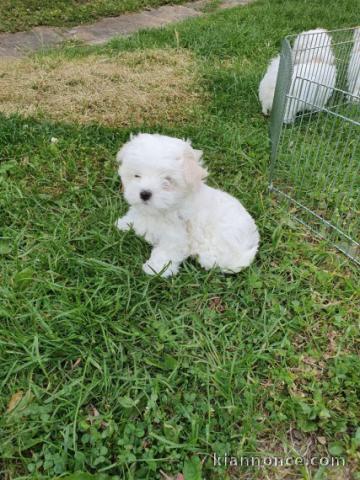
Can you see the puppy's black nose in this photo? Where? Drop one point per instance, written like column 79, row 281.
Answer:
column 145, row 195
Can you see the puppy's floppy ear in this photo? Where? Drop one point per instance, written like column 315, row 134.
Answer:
column 194, row 173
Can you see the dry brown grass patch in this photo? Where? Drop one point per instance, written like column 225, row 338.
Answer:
column 150, row 87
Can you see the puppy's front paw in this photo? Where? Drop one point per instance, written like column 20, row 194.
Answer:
column 166, row 271
column 123, row 224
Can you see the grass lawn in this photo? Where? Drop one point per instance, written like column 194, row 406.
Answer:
column 118, row 373
column 17, row 15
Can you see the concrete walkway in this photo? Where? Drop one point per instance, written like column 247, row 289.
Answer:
column 22, row 43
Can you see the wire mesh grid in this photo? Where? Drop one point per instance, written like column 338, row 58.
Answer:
column 315, row 132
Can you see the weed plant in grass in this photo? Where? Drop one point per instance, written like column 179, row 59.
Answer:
column 123, row 374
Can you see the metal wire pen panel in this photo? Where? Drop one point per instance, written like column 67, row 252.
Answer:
column 315, row 133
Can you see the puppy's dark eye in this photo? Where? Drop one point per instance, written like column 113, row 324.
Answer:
column 137, row 176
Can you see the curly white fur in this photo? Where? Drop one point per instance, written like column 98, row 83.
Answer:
column 177, row 213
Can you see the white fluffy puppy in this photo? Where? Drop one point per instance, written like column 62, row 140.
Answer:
column 314, row 61
column 311, row 87
column 354, row 69
column 177, row 213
